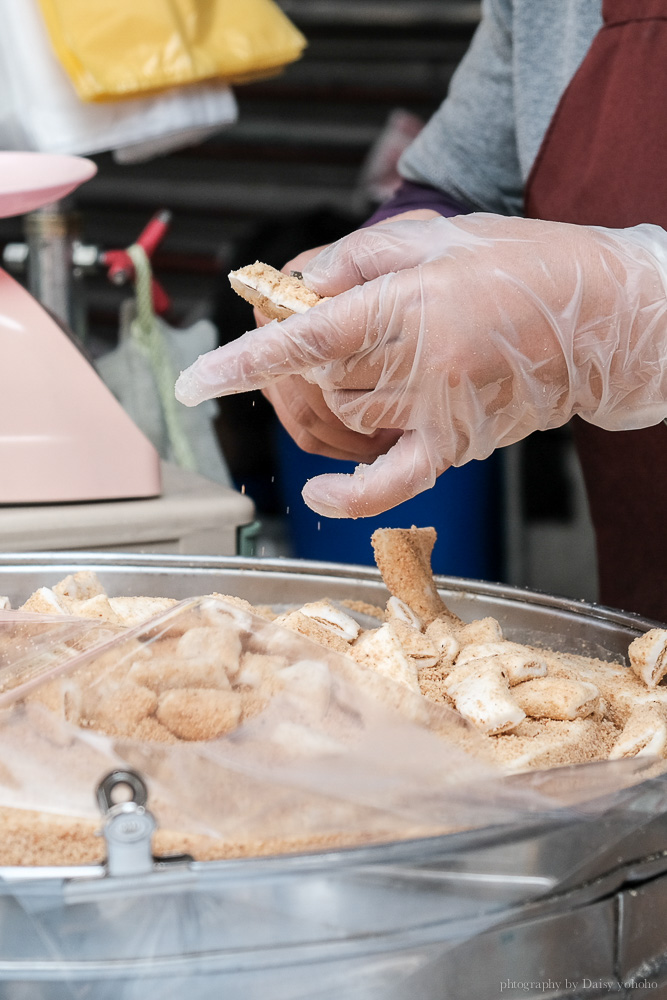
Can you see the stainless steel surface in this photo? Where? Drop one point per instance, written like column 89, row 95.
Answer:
column 574, row 626
column 642, row 936
column 448, row 917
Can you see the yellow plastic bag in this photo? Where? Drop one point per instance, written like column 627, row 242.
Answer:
column 123, row 48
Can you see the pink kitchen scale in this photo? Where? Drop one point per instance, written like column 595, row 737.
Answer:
column 63, row 435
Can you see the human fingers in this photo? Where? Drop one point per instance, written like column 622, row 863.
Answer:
column 329, row 331
column 304, row 414
column 384, row 248
column 405, row 470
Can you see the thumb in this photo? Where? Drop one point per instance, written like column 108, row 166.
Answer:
column 403, row 472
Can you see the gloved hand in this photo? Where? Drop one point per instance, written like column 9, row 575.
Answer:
column 466, row 335
column 304, row 414
column 300, row 405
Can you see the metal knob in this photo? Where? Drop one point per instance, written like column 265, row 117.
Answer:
column 129, row 826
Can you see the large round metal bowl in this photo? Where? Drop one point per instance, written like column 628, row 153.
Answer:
column 558, row 909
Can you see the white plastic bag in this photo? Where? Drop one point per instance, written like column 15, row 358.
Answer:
column 40, row 110
column 141, row 371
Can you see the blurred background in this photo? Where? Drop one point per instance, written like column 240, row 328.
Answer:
column 311, row 155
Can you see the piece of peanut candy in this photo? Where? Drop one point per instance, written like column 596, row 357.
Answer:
column 45, row 602
column 481, row 630
column 518, row 662
column 332, row 618
column 79, row 586
column 558, row 698
column 417, row 646
column 644, row 734
column 296, row 621
column 648, row 656
column 480, row 692
column 398, row 610
column 445, row 642
column 403, row 556
column 381, row 650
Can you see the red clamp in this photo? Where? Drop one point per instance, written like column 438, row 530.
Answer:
column 121, row 268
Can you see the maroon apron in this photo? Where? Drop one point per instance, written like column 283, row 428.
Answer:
column 603, row 162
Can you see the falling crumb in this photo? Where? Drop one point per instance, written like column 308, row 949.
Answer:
column 243, row 488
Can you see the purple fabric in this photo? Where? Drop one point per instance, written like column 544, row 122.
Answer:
column 410, row 196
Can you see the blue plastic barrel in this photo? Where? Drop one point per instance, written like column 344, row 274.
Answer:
column 464, row 507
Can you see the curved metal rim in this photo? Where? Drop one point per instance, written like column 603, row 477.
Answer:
column 451, row 584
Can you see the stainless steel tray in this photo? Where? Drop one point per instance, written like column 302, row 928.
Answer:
column 451, row 916
column 572, row 625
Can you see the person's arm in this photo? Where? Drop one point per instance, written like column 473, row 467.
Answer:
column 463, row 335
column 468, row 148
column 411, row 198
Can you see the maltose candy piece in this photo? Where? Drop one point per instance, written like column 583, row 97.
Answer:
column 648, row 656
column 644, row 734
column 381, row 650
column 480, row 692
column 403, row 556
column 275, row 294
column 329, row 616
column 519, row 663
column 558, row 698
column 79, row 586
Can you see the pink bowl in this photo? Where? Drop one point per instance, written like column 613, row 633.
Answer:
column 30, row 180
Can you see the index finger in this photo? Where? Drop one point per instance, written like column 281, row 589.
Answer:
column 329, row 331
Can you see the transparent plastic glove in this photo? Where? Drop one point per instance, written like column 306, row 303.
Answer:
column 303, row 412
column 300, row 405
column 465, row 334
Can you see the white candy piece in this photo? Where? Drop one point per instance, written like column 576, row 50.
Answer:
column 380, row 650
column 446, row 643
column 135, row 610
column 558, row 698
column 331, row 617
column 399, row 611
column 416, row 646
column 481, row 694
column 80, row 586
column 648, row 656
column 5, row 604
column 518, row 663
column 277, row 294
column 45, row 602
column 644, row 734
column 481, row 630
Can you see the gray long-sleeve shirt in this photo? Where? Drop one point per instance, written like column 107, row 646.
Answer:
column 480, row 145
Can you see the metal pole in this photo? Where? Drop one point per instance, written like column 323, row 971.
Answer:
column 49, row 238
